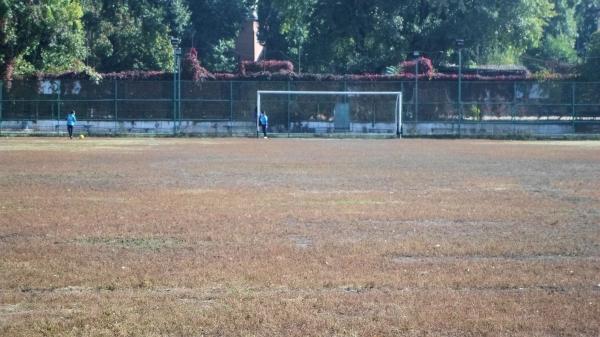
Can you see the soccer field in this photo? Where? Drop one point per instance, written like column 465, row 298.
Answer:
column 299, row 237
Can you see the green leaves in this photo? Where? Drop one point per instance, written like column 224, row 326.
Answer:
column 587, row 13
column 215, row 25
column 44, row 35
column 353, row 36
column 367, row 36
column 134, row 35
column 589, row 69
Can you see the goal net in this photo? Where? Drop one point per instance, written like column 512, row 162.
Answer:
column 316, row 112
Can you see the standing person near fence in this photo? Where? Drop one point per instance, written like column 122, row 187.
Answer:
column 71, row 121
column 263, row 121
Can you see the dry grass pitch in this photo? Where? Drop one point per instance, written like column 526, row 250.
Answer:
column 280, row 237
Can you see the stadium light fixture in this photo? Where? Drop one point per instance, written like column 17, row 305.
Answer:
column 175, row 41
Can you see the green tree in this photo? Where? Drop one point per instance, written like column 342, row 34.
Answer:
column 494, row 31
column 271, row 14
column 285, row 28
column 558, row 42
column 364, row 36
column 588, row 16
column 128, row 34
column 589, row 69
column 368, row 35
column 40, row 35
column 179, row 17
column 214, row 28
column 222, row 57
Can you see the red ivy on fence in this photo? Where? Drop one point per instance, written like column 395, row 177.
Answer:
column 275, row 70
column 191, row 68
column 425, row 66
column 272, row 66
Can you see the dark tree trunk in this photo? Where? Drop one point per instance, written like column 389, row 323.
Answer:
column 7, row 68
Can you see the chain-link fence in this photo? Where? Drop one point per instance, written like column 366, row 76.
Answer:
column 229, row 107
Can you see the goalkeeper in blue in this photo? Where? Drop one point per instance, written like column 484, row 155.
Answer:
column 263, row 121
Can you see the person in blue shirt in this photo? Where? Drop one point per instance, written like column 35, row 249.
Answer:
column 71, row 120
column 263, row 121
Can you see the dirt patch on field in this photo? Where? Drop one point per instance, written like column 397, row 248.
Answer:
column 237, row 237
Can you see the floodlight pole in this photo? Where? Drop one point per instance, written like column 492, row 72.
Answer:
column 460, row 116
column 299, row 58
column 179, row 114
column 116, row 103
column 176, row 92
column 460, row 43
column 58, row 116
column 1, row 103
column 416, row 55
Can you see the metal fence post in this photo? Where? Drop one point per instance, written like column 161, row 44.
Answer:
column 179, row 113
column 513, row 112
column 573, row 104
column 345, row 89
column 116, row 102
column 58, row 115
column 416, row 88
column 460, row 113
column 1, row 103
column 174, row 103
column 288, row 109
column 231, row 107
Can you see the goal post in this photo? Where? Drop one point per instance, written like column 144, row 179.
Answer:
column 331, row 111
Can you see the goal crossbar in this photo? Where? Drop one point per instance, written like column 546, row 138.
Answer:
column 398, row 94
column 283, row 92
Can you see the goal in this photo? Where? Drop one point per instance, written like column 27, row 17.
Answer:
column 370, row 112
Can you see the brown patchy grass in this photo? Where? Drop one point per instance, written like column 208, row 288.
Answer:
column 241, row 237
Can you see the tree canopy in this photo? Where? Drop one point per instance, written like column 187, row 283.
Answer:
column 592, row 63
column 367, row 35
column 40, row 35
column 133, row 34
column 351, row 36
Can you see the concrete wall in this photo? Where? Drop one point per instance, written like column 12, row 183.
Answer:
column 490, row 129
column 221, row 128
column 240, row 128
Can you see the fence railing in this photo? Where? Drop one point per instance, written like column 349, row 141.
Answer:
column 229, row 106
